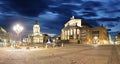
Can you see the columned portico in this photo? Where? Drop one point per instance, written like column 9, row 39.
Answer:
column 75, row 34
column 71, row 30
column 78, row 31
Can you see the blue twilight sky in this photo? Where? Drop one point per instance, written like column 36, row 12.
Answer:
column 53, row 14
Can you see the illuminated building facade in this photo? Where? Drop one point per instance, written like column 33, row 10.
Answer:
column 118, row 39
column 4, row 36
column 36, row 37
column 78, row 31
column 75, row 31
column 99, row 35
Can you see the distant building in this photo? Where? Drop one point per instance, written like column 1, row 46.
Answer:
column 36, row 37
column 78, row 31
column 118, row 38
column 4, row 36
column 99, row 35
column 45, row 38
column 110, row 40
column 75, row 31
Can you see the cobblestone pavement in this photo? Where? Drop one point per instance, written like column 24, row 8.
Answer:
column 70, row 54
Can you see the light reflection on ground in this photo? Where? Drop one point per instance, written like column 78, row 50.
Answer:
column 24, row 49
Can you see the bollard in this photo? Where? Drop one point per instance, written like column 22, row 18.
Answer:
column 46, row 46
column 62, row 45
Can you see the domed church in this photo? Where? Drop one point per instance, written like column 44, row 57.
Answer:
column 36, row 37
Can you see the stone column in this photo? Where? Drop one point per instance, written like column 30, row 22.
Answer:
column 74, row 33
column 68, row 34
column 63, row 37
column 70, row 31
column 78, row 33
column 63, row 34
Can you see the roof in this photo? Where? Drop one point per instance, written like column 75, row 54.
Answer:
column 80, row 22
column 2, row 30
column 70, row 27
column 85, row 23
column 36, row 22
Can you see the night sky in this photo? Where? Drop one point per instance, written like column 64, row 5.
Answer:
column 53, row 14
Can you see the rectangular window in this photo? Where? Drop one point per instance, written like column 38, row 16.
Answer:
column 95, row 32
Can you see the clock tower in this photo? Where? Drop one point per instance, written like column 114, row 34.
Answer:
column 36, row 28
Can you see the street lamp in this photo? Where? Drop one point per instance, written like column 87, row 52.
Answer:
column 95, row 41
column 18, row 29
column 95, row 38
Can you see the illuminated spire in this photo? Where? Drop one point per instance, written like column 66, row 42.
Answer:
column 36, row 28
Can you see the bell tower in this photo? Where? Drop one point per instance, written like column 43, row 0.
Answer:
column 36, row 28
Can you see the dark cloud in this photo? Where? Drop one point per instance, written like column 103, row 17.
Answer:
column 114, row 34
column 112, row 11
column 110, row 19
column 69, row 1
column 92, row 22
column 108, row 29
column 112, row 24
column 55, row 26
column 89, row 14
column 53, row 14
column 28, row 7
column 90, row 5
column 64, row 9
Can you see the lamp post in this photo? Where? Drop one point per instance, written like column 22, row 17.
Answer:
column 116, row 37
column 18, row 29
